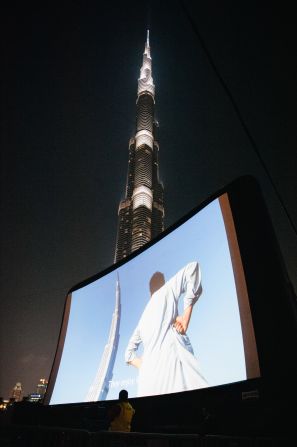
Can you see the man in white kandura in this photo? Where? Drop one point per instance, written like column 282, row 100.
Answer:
column 168, row 364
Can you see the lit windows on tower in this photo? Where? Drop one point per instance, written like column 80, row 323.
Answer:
column 141, row 213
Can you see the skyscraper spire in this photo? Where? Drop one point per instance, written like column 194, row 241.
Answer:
column 145, row 81
column 147, row 44
column 141, row 213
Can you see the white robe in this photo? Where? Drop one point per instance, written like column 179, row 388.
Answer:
column 168, row 362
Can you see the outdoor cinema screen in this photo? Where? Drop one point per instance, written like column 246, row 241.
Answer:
column 187, row 327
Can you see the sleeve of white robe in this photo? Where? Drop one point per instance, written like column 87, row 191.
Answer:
column 187, row 281
column 132, row 347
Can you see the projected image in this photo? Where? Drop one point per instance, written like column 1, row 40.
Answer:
column 168, row 363
column 166, row 321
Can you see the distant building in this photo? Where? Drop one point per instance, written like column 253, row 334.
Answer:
column 3, row 403
column 141, row 212
column 40, row 392
column 17, row 392
column 41, row 387
column 34, row 397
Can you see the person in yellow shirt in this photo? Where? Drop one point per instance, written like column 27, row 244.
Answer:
column 121, row 414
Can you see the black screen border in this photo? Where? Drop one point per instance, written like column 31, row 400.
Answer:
column 261, row 261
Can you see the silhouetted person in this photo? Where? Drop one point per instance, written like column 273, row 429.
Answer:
column 121, row 414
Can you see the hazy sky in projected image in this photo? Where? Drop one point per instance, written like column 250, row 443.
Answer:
column 214, row 331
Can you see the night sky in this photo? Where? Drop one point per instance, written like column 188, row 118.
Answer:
column 68, row 91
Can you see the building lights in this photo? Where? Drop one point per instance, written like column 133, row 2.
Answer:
column 143, row 204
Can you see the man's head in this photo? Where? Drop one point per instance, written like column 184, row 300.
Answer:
column 156, row 282
column 123, row 395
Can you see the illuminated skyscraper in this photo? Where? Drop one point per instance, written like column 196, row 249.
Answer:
column 40, row 392
column 41, row 387
column 100, row 386
column 17, row 392
column 141, row 213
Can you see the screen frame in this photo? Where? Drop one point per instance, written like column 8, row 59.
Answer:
column 253, row 230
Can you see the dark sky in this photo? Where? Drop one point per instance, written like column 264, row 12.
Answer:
column 68, row 91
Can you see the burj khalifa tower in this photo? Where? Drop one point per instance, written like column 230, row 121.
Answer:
column 141, row 212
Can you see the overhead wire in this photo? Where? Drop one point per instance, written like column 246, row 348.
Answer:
column 237, row 112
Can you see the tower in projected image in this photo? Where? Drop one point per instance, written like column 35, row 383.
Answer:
column 141, row 212
column 100, row 386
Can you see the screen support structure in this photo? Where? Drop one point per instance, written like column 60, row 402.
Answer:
column 59, row 351
column 248, row 334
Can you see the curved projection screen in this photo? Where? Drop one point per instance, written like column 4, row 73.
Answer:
column 115, row 320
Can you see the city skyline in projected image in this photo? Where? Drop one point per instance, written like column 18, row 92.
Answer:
column 214, row 331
